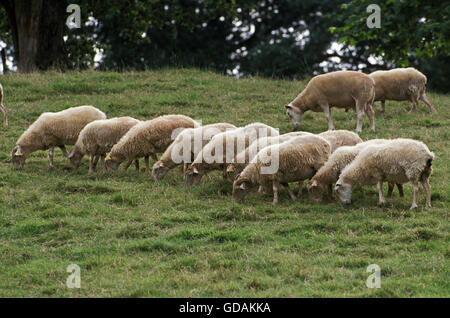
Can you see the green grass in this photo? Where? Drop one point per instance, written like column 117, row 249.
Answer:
column 134, row 237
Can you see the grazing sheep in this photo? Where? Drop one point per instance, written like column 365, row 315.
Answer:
column 242, row 159
column 342, row 89
column 401, row 84
column 193, row 139
column 339, row 138
column 298, row 159
column 2, row 108
column 97, row 138
column 329, row 173
column 227, row 145
column 148, row 138
column 399, row 161
column 52, row 130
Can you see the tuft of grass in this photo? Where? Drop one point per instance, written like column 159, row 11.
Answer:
column 134, row 237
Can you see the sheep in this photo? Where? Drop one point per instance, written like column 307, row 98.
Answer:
column 242, row 159
column 97, row 138
column 2, row 108
column 401, row 84
column 329, row 173
column 342, row 89
column 336, row 138
column 191, row 139
column 227, row 145
column 399, row 161
column 339, row 138
column 298, row 159
column 52, row 130
column 148, row 138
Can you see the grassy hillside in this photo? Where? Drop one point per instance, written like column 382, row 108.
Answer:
column 132, row 236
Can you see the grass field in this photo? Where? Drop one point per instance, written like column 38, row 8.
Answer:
column 134, row 237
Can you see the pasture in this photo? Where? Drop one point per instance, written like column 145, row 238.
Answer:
column 134, row 237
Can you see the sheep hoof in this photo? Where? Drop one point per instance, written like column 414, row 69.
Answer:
column 414, row 206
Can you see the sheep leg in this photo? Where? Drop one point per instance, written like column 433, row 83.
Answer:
column 330, row 191
column 383, row 108
column 427, row 188
column 414, row 102
column 360, row 117
column 103, row 162
column 147, row 164
column 5, row 115
column 424, row 98
column 400, row 189
column 275, row 187
column 136, row 164
column 300, row 188
column 327, row 112
column 390, row 189
column 415, row 194
column 91, row 163
column 370, row 114
column 50, row 157
column 96, row 158
column 64, row 151
column 128, row 165
column 381, row 199
column 291, row 194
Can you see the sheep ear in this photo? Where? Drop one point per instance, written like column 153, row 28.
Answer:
column 243, row 186
column 108, row 157
column 288, row 106
column 195, row 170
column 71, row 154
column 314, row 183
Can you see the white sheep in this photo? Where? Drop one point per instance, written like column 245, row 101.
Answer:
column 399, row 161
column 401, row 84
column 339, row 138
column 2, row 108
column 241, row 160
column 148, row 138
column 227, row 145
column 97, row 138
column 191, row 139
column 298, row 159
column 330, row 172
column 342, row 89
column 52, row 130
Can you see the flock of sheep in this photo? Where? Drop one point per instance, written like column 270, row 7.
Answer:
column 254, row 155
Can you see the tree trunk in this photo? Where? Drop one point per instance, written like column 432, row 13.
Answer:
column 37, row 28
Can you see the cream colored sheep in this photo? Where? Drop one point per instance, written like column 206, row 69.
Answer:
column 191, row 139
column 399, row 161
column 329, row 173
column 2, row 108
column 401, row 84
column 227, row 145
column 52, row 130
column 241, row 160
column 148, row 138
column 298, row 159
column 339, row 138
column 342, row 89
column 97, row 138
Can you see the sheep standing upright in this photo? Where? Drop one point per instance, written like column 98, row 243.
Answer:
column 148, row 138
column 401, row 84
column 97, row 138
column 329, row 173
column 399, row 161
column 342, row 89
column 190, row 139
column 52, row 130
column 2, row 108
column 298, row 159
